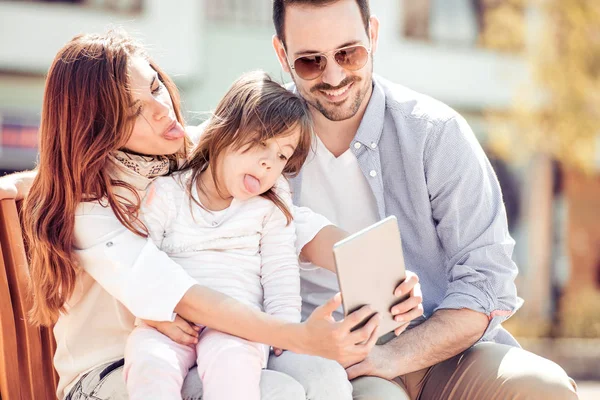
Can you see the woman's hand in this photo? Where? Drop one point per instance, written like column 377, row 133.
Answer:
column 277, row 351
column 325, row 337
column 412, row 306
column 179, row 331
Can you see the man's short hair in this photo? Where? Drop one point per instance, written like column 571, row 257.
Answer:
column 280, row 5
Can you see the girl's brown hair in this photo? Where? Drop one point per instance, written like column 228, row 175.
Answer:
column 254, row 109
column 86, row 114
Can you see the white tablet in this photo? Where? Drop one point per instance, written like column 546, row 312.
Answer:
column 370, row 265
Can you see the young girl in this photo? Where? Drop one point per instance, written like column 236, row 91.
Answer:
column 226, row 220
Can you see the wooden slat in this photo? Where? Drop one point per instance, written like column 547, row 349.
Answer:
column 9, row 365
column 35, row 346
column 48, row 344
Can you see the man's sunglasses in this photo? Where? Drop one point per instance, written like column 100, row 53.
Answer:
column 311, row 66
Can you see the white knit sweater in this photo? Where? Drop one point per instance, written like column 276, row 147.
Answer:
column 246, row 251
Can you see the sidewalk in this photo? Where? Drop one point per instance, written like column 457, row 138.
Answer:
column 579, row 357
column 588, row 390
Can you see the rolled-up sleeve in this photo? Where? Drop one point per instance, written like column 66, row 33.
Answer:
column 129, row 267
column 470, row 220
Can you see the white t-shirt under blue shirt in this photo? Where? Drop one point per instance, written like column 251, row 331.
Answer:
column 345, row 198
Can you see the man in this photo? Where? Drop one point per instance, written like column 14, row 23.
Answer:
column 382, row 150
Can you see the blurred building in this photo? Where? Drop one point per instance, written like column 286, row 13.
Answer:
column 206, row 44
column 432, row 46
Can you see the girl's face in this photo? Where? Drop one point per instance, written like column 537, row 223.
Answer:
column 253, row 170
column 156, row 130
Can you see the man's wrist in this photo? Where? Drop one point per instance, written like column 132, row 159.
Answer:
column 390, row 352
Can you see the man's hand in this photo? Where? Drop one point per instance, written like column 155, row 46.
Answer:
column 445, row 334
column 410, row 308
column 327, row 338
column 378, row 363
column 179, row 331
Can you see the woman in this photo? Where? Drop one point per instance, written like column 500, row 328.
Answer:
column 93, row 269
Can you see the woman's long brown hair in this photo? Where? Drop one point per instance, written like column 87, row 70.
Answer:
column 86, row 114
column 254, row 109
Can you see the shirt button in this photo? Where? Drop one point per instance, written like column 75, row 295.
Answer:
column 373, row 145
column 109, row 244
column 357, row 145
column 373, row 173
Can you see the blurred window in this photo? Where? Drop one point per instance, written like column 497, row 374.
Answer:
column 18, row 131
column 466, row 22
column 243, row 12
column 121, row 6
column 17, row 135
column 18, row 140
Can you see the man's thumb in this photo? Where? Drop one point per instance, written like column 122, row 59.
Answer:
column 332, row 304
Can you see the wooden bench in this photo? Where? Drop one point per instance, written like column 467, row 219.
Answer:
column 26, row 351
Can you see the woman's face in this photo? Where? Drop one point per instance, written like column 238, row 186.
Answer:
column 156, row 130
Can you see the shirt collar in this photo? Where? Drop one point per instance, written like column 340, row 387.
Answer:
column 371, row 126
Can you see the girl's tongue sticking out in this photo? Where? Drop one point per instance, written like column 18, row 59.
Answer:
column 251, row 184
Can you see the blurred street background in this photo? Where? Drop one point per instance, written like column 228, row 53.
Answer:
column 524, row 73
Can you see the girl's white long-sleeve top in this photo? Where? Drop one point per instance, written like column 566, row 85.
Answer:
column 246, row 251
column 123, row 276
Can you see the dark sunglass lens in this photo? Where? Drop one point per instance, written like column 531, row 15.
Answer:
column 352, row 58
column 310, row 67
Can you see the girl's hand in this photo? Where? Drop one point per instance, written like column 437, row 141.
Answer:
column 323, row 336
column 180, row 331
column 412, row 306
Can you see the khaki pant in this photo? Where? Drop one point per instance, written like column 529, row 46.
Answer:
column 487, row 371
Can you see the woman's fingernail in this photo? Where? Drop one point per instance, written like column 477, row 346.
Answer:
column 398, row 319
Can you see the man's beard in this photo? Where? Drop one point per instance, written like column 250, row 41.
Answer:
column 343, row 111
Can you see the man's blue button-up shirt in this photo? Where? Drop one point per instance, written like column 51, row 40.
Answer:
column 432, row 174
